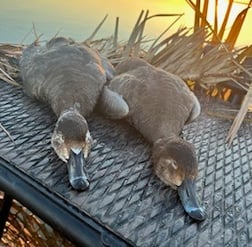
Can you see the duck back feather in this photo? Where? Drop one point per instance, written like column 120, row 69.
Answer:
column 159, row 102
column 63, row 74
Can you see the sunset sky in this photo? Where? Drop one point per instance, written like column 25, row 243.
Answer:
column 78, row 18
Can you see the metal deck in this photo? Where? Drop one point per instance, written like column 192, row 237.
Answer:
column 125, row 197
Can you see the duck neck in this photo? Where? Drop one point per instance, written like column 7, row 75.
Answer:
column 165, row 139
column 72, row 110
column 159, row 146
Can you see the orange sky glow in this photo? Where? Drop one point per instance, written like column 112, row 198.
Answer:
column 78, row 18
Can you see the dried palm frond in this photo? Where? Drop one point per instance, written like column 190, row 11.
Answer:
column 91, row 37
column 236, row 28
column 115, row 38
column 240, row 116
column 225, row 20
column 218, row 35
column 226, row 113
column 9, row 55
column 6, row 77
column 246, row 104
column 133, row 45
column 244, row 53
column 204, row 13
column 6, row 132
column 184, row 53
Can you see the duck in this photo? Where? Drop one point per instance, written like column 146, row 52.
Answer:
column 160, row 105
column 70, row 77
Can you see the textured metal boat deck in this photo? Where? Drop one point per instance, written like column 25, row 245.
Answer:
column 125, row 196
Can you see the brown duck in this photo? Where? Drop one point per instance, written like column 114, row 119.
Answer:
column 160, row 104
column 70, row 78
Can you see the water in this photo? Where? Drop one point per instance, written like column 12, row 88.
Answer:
column 78, row 18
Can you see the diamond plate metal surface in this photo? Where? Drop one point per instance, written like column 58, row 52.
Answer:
column 125, row 195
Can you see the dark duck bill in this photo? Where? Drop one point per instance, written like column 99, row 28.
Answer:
column 189, row 200
column 77, row 174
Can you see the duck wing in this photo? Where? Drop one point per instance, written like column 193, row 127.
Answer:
column 112, row 105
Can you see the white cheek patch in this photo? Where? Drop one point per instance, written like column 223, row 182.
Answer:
column 88, row 138
column 89, row 142
column 86, row 151
column 57, row 142
column 57, row 139
column 62, row 154
column 64, row 158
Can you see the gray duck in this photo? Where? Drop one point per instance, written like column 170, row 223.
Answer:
column 70, row 77
column 160, row 104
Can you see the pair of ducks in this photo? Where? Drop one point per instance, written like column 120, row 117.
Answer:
column 72, row 79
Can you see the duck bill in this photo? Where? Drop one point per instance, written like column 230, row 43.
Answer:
column 77, row 174
column 189, row 200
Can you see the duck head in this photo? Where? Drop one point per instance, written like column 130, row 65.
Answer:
column 71, row 141
column 176, row 165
